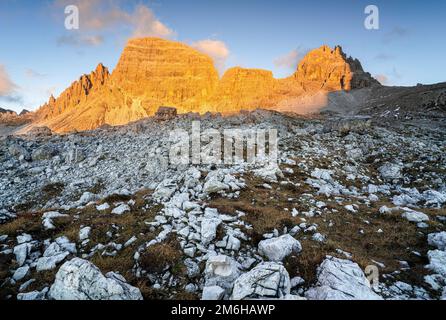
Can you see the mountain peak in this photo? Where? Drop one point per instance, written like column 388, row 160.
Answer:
column 154, row 72
column 331, row 70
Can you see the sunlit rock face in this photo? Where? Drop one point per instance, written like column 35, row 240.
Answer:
column 246, row 89
column 76, row 94
column 331, row 70
column 160, row 72
column 154, row 72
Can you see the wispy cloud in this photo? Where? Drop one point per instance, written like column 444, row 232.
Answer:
column 291, row 59
column 384, row 57
column 7, row 87
column 216, row 49
column 13, row 98
column 99, row 16
column 79, row 40
column 31, row 73
column 382, row 78
column 395, row 34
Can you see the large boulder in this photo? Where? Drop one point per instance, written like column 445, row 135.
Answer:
column 166, row 113
column 213, row 293
column 339, row 279
column 221, row 271
column 277, row 249
column 209, row 229
column 267, row 280
column 45, row 152
column 437, row 261
column 437, row 240
column 40, row 132
column 415, row 216
column 19, row 152
column 390, row 171
column 55, row 253
column 269, row 173
column 79, row 279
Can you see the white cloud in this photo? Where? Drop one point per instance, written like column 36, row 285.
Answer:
column 31, row 73
column 99, row 16
column 395, row 34
column 146, row 24
column 382, row 78
column 7, row 87
column 290, row 60
column 216, row 49
column 76, row 39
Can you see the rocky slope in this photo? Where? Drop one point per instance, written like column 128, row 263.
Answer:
column 9, row 118
column 391, row 103
column 154, row 72
column 353, row 209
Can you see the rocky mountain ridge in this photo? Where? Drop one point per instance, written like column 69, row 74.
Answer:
column 154, row 72
column 104, row 214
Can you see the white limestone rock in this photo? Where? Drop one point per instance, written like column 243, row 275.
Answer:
column 415, row 216
column 209, row 229
column 33, row 296
column 79, row 279
column 22, row 251
column 318, row 237
column 277, row 249
column 24, row 238
column 55, row 253
column 193, row 269
column 165, row 190
column 50, row 262
column 130, row 241
column 214, row 186
column 221, row 271
column 322, row 174
column 437, row 240
column 437, row 261
column 20, row 273
column 339, row 279
column 269, row 173
column 103, row 207
column 390, row 171
column 84, row 233
column 47, row 219
column 266, row 280
column 229, row 242
column 121, row 209
column 213, row 293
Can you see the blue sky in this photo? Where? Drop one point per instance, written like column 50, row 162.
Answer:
column 38, row 56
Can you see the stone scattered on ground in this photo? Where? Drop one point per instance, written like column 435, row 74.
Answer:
column 83, row 204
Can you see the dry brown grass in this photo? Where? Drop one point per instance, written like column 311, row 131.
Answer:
column 264, row 208
column 127, row 225
column 265, row 212
column 26, row 222
column 121, row 263
column 161, row 256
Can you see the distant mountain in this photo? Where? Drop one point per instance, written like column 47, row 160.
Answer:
column 154, row 72
column 7, row 111
column 11, row 118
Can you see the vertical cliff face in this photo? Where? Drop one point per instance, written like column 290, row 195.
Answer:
column 244, row 89
column 77, row 94
column 331, row 70
column 161, row 72
column 155, row 72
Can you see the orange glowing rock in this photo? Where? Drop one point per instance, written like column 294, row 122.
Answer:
column 154, row 72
